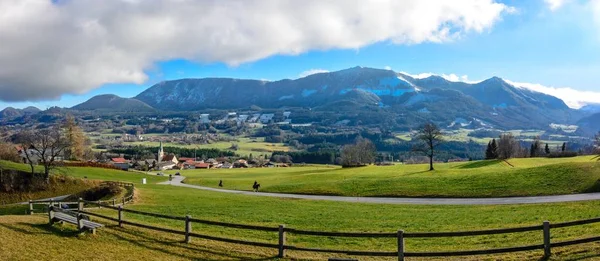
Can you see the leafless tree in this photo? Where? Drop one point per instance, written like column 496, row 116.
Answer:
column 597, row 144
column 361, row 153
column 44, row 146
column 431, row 137
column 508, row 146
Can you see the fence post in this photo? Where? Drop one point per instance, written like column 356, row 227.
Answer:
column 50, row 214
column 188, row 228
column 80, row 204
column 120, row 216
column 30, row 207
column 400, row 245
column 547, row 251
column 281, row 241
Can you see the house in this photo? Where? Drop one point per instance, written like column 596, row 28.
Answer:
column 240, row 164
column 202, row 165
column 120, row 163
column 266, row 118
column 170, row 158
column 204, row 118
column 226, row 165
column 166, row 165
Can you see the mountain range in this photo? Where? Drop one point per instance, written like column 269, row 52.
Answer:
column 10, row 112
column 493, row 102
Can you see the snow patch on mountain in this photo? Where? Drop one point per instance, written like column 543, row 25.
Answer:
column 286, row 97
column 306, row 93
column 573, row 98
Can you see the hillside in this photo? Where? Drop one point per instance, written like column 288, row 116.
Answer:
column 590, row 124
column 492, row 101
column 11, row 113
column 110, row 102
column 478, row 179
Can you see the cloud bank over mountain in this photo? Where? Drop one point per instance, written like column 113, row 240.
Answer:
column 61, row 47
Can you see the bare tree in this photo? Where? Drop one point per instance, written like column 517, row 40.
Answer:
column 597, row 144
column 361, row 153
column 44, row 146
column 508, row 146
column 431, row 137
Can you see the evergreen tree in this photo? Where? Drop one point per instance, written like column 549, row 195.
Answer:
column 489, row 154
column 494, row 148
column 532, row 151
column 564, row 147
column 547, row 149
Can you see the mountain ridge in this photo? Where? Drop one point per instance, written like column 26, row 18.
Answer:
column 493, row 100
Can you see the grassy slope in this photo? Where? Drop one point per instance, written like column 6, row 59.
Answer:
column 338, row 216
column 58, row 186
column 528, row 177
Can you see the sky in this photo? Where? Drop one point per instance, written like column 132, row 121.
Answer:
column 63, row 52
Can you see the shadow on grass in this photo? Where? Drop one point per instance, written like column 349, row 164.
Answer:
column 41, row 229
column 178, row 244
column 593, row 188
column 480, row 164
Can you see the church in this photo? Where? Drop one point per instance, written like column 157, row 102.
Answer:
column 165, row 162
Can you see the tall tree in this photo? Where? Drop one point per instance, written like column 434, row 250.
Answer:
column 361, row 153
column 488, row 151
column 494, row 149
column 508, row 146
column 547, row 149
column 45, row 146
column 564, row 147
column 536, row 145
column 76, row 140
column 431, row 137
column 597, row 144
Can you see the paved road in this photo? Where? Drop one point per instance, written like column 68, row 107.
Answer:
column 420, row 201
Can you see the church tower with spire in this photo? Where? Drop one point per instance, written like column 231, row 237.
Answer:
column 161, row 153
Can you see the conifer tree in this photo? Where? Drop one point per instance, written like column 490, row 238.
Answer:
column 547, row 149
column 494, row 149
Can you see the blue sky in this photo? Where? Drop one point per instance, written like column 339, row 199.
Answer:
column 530, row 44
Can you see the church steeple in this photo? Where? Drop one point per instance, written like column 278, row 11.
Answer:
column 161, row 153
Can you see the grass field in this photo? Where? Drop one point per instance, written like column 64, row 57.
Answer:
column 302, row 214
column 526, row 177
column 246, row 146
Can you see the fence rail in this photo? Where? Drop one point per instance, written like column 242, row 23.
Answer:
column 281, row 245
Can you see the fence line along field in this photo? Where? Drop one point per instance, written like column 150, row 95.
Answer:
column 494, row 178
column 347, row 217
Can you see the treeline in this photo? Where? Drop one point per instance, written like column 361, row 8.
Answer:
column 317, row 157
column 507, row 146
column 146, row 152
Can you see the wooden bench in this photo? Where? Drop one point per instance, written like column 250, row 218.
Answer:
column 83, row 223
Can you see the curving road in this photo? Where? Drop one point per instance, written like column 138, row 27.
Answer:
column 420, row 201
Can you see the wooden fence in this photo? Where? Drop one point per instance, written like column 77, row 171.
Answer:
column 79, row 204
column 400, row 235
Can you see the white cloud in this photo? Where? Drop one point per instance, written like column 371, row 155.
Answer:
column 573, row 98
column 555, row 4
column 55, row 47
column 387, row 67
column 311, row 72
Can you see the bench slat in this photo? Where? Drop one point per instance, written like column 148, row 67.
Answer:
column 71, row 219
